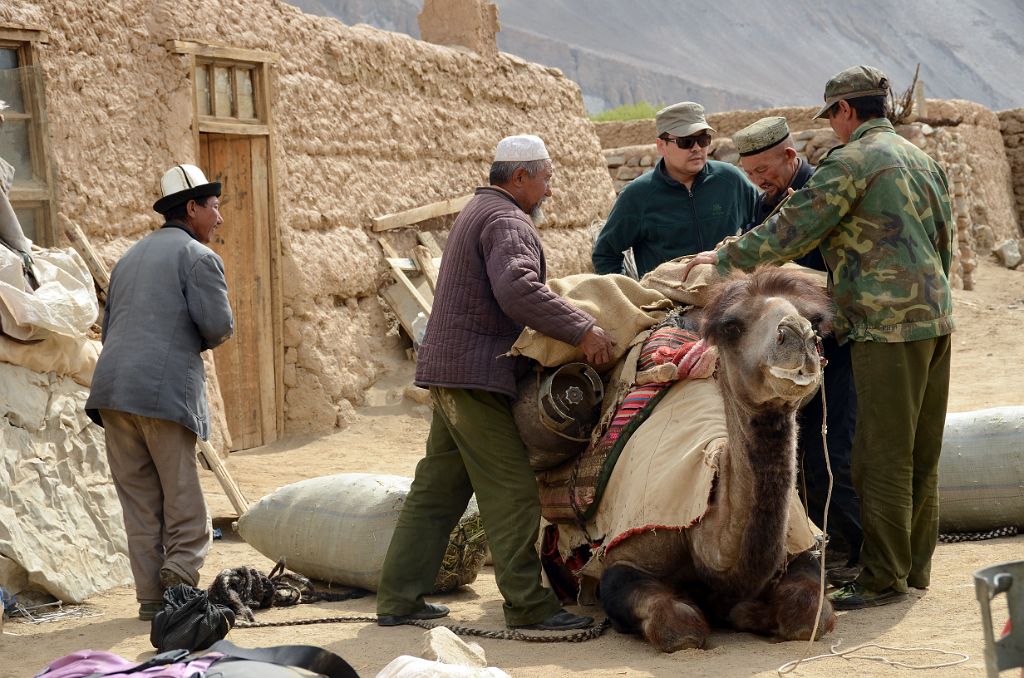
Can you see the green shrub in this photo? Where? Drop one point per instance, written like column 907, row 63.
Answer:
column 637, row 111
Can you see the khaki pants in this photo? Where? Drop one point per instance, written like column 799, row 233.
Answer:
column 473, row 446
column 902, row 391
column 153, row 463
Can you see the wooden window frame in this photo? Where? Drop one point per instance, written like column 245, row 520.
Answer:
column 233, row 58
column 37, row 193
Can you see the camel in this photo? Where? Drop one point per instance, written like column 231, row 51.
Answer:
column 670, row 585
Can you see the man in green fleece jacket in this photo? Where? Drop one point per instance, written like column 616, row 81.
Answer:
column 687, row 204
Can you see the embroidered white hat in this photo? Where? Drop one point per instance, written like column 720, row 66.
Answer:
column 521, row 148
column 182, row 183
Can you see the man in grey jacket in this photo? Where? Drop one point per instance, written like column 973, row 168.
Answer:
column 167, row 302
column 490, row 285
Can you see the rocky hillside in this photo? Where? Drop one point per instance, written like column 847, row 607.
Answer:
column 747, row 53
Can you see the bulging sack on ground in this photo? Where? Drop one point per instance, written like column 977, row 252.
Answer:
column 981, row 470
column 337, row 529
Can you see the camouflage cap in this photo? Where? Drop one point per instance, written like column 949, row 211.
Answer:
column 856, row 81
column 761, row 135
column 681, row 120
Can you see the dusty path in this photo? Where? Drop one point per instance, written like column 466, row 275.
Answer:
column 388, row 437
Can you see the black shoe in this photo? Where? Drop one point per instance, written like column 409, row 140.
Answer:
column 841, row 576
column 855, row 597
column 148, row 609
column 563, row 620
column 428, row 611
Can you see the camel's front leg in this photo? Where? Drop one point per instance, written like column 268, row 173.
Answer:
column 638, row 603
column 787, row 610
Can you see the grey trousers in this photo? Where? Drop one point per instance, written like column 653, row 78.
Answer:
column 153, row 463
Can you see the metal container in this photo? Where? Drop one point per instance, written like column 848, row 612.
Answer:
column 555, row 412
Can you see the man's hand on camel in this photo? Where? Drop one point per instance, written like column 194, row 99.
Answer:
column 702, row 258
column 596, row 346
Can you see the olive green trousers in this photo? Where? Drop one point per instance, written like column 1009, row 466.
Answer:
column 473, row 446
column 902, row 391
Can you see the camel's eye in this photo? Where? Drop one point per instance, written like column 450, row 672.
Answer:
column 731, row 328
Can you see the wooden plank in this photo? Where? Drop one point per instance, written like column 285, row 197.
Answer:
column 426, row 265
column 24, row 35
column 221, row 126
column 212, row 51
column 92, row 260
column 264, row 95
column 417, row 214
column 231, row 489
column 429, row 240
column 400, row 276
column 401, row 301
column 261, row 252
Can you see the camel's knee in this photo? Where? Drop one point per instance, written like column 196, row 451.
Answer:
column 638, row 603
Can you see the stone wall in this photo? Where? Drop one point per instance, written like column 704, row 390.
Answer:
column 993, row 204
column 366, row 123
column 1011, row 124
column 946, row 145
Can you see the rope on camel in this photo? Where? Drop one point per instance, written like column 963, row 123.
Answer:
column 509, row 634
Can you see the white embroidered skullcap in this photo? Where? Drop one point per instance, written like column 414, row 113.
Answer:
column 521, row 148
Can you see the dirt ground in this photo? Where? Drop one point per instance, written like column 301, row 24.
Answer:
column 388, row 437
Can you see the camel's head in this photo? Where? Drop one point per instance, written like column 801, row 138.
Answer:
column 767, row 328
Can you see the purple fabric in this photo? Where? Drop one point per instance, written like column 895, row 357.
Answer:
column 491, row 285
column 88, row 662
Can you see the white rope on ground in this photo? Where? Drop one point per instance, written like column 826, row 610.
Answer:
column 845, row 654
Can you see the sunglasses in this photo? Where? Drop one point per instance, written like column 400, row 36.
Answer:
column 703, row 140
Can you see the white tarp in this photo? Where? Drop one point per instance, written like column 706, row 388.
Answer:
column 65, row 302
column 60, row 518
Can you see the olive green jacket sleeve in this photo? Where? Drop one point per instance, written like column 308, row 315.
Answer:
column 880, row 211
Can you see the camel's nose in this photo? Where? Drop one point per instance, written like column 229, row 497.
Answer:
column 796, row 328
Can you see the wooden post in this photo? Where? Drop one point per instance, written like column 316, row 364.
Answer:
column 231, row 489
column 92, row 260
column 425, row 262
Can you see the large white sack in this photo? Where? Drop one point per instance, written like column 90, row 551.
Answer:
column 337, row 529
column 981, row 470
column 60, row 519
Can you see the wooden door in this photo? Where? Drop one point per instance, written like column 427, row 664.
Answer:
column 246, row 362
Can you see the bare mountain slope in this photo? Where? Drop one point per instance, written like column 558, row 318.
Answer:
column 747, row 53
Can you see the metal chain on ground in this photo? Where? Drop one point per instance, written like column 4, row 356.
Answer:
column 508, row 634
column 957, row 537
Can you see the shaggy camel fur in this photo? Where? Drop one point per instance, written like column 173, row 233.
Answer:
column 664, row 585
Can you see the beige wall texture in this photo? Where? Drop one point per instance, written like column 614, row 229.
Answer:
column 366, row 123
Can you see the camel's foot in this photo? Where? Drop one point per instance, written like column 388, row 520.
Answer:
column 638, row 603
column 673, row 625
column 795, row 599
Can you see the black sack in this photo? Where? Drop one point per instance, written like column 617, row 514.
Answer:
column 189, row 621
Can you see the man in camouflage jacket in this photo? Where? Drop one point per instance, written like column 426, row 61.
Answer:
column 879, row 209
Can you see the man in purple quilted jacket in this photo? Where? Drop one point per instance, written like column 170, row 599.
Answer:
column 491, row 285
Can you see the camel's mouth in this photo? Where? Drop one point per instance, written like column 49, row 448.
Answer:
column 798, row 375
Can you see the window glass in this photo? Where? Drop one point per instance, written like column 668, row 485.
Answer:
column 27, row 219
column 14, row 148
column 222, row 83
column 203, row 89
column 246, row 101
column 10, row 81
